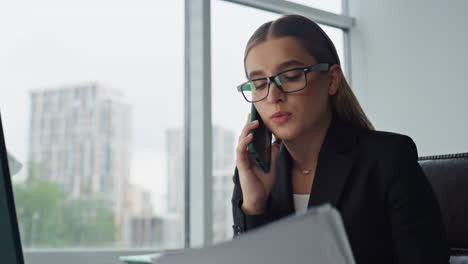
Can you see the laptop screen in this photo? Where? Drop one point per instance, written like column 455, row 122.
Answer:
column 10, row 244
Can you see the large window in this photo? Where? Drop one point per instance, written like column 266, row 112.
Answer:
column 92, row 103
column 229, row 109
column 92, row 100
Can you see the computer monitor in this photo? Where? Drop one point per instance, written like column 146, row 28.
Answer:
column 10, row 243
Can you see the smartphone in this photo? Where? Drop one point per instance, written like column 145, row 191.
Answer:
column 260, row 146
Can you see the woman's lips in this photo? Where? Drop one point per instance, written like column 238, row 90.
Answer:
column 281, row 117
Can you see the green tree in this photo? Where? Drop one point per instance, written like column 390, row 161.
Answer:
column 49, row 218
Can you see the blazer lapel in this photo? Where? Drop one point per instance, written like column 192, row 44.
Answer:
column 282, row 188
column 335, row 162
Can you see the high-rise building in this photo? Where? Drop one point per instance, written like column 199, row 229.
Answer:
column 175, row 170
column 223, row 148
column 222, row 210
column 147, row 232
column 145, row 228
column 80, row 138
column 175, row 187
column 223, row 168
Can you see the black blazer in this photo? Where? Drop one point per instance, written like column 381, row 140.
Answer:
column 388, row 207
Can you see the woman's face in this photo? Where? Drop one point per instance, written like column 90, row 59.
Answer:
column 296, row 113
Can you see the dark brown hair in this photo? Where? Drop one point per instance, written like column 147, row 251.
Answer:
column 344, row 103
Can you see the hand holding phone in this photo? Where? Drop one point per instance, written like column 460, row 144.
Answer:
column 260, row 146
column 255, row 181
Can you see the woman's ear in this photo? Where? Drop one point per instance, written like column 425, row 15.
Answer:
column 336, row 75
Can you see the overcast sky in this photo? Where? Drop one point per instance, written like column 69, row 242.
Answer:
column 135, row 47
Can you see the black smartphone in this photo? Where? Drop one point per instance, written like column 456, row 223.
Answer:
column 260, row 146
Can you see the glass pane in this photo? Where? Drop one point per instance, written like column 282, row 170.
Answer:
column 337, row 37
column 230, row 110
column 327, row 5
column 86, row 88
column 229, row 107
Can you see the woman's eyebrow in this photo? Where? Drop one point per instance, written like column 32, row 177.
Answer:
column 280, row 67
column 254, row 74
column 289, row 63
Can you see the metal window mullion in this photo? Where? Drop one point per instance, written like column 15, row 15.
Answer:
column 347, row 43
column 286, row 7
column 198, row 158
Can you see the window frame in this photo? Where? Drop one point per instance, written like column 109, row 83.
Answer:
column 198, row 180
column 197, row 123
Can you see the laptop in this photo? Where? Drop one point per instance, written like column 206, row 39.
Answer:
column 10, row 244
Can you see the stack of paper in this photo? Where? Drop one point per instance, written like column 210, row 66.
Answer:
column 315, row 237
column 147, row 258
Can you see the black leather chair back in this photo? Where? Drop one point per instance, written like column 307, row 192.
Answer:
column 448, row 175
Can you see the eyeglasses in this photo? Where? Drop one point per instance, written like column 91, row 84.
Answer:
column 288, row 81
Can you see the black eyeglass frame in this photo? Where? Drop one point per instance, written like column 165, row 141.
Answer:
column 320, row 67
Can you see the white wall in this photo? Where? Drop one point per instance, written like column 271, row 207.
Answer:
column 408, row 69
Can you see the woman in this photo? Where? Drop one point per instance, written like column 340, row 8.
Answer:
column 330, row 152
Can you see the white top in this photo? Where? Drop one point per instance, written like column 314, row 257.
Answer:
column 300, row 203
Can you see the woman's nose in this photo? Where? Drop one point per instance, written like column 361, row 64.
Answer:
column 275, row 94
